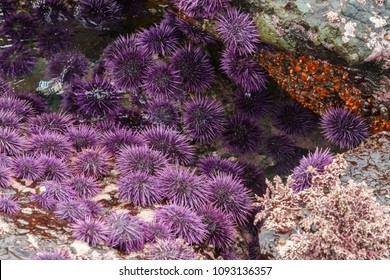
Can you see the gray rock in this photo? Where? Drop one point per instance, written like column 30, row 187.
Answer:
column 370, row 162
column 357, row 31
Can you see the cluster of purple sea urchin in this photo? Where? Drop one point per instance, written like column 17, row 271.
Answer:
column 146, row 124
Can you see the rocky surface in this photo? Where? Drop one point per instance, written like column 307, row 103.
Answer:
column 356, row 30
column 370, row 162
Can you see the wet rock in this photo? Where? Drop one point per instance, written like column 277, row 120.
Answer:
column 370, row 162
column 355, row 30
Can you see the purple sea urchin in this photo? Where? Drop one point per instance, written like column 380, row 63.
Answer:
column 8, row 205
column 21, row 107
column 253, row 104
column 68, row 66
column 91, row 162
column 7, row 8
column 127, row 67
column 159, row 39
column 83, row 187
column 141, row 159
column 170, row 249
column 92, row 231
column 50, row 122
column 11, row 142
column 156, row 231
column 9, row 119
column 27, row 167
column 38, row 103
column 213, row 165
column 162, row 81
column 82, row 137
column 97, row 97
column 16, row 61
column 18, row 27
column 243, row 70
column 203, row 119
column 309, row 166
column 182, row 187
column 238, row 31
column 120, row 43
column 164, row 112
column 173, row 145
column 95, row 208
column 5, row 176
column 98, row 14
column 343, row 128
column 49, row 11
column 183, row 222
column 106, row 125
column 140, row 189
column 5, row 87
column 52, row 256
column 126, row 232
column 280, row 147
column 229, row 195
column 253, row 178
column 201, row 8
column 120, row 138
column 220, row 228
column 53, row 39
column 130, row 118
column 54, row 168
column 71, row 211
column 50, row 144
column 194, row 67
column 50, row 193
column 293, row 119
column 194, row 33
column 242, row 134
column 4, row 160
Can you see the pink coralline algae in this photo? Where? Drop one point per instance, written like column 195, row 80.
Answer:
column 343, row 221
